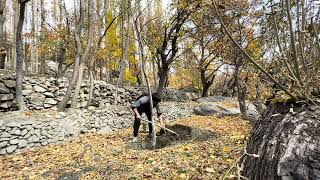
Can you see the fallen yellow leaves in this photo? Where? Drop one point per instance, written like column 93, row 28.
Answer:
column 108, row 156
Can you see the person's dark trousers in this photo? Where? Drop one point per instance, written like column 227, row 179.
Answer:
column 137, row 123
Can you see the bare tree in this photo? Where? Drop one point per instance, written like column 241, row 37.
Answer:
column 168, row 50
column 80, row 57
column 3, row 51
column 20, row 56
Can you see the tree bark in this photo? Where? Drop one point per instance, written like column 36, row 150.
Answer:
column 163, row 75
column 15, row 5
column 85, row 54
column 61, row 59
column 3, row 51
column 284, row 144
column 241, row 92
column 124, row 42
column 20, row 57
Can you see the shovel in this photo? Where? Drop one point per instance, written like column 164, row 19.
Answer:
column 162, row 127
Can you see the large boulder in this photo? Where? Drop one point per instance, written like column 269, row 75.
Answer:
column 223, row 106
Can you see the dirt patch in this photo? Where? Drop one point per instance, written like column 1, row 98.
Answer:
column 185, row 133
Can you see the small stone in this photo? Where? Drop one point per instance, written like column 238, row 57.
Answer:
column 28, row 127
column 3, row 151
column 26, row 92
column 24, row 132
column 10, row 83
column 27, row 122
column 61, row 115
column 11, row 149
column 50, row 101
column 22, row 144
column 5, row 135
column 4, row 89
column 105, row 130
column 49, row 94
column 44, row 143
column 3, row 144
column 6, row 97
column 17, row 132
column 14, row 141
column 5, row 105
column 27, row 87
column 14, row 124
column 39, row 89
column 33, row 139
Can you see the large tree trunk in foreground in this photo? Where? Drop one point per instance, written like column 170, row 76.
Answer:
column 288, row 144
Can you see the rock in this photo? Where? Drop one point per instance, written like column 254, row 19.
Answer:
column 39, row 89
column 26, row 92
column 5, row 135
column 3, row 144
column 22, row 143
column 17, row 132
column 50, row 101
column 14, row 124
column 3, row 151
column 206, row 110
column 27, row 87
column 33, row 139
column 105, row 130
column 215, row 99
column 44, row 143
column 11, row 149
column 5, row 105
column 10, row 83
column 14, row 141
column 61, row 115
column 4, row 89
column 6, row 97
column 24, row 132
column 37, row 99
column 49, row 94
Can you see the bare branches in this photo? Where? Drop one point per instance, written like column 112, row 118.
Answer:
column 248, row 57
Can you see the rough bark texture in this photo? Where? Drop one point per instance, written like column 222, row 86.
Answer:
column 288, row 144
column 20, row 57
column 3, row 51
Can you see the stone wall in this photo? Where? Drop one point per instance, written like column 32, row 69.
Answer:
column 22, row 131
column 45, row 93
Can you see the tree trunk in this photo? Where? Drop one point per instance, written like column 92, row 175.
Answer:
column 91, row 82
column 61, row 59
column 78, row 86
column 163, row 75
column 62, row 105
column 3, row 54
column 85, row 54
column 287, row 143
column 3, row 51
column 241, row 92
column 15, row 22
column 20, row 58
column 124, row 42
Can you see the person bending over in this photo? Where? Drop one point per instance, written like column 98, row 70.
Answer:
column 142, row 105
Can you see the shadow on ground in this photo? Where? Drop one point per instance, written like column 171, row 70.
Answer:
column 185, row 133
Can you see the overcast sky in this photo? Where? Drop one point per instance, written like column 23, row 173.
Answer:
column 48, row 7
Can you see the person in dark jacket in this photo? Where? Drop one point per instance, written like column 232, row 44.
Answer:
column 142, row 105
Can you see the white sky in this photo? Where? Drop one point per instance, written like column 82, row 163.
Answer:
column 48, row 7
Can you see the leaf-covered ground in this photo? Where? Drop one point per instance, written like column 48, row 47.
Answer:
column 108, row 156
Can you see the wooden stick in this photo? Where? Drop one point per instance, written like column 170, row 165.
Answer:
column 161, row 127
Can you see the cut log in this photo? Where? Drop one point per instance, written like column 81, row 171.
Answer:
column 287, row 140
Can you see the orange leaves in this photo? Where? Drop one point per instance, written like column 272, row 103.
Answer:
column 111, row 158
